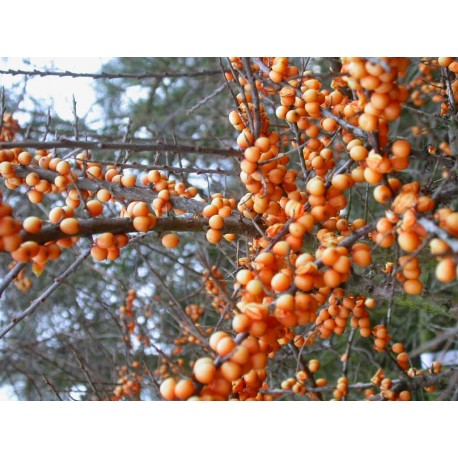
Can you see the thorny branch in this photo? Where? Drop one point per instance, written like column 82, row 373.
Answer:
column 10, row 276
column 106, row 75
column 94, row 145
column 45, row 294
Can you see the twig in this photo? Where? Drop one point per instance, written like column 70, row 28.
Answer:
column 182, row 319
column 63, row 142
column 206, row 99
column 153, row 380
column 431, row 344
column 11, row 275
column 452, row 383
column 53, row 388
column 105, row 75
column 75, row 119
column 255, row 94
column 243, row 94
column 47, row 125
column 85, row 371
column 45, row 294
column 2, row 108
column 166, row 168
column 419, row 112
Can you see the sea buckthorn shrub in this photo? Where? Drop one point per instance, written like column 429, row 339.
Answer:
column 335, row 241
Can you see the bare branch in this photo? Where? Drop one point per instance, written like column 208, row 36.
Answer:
column 63, row 142
column 167, row 168
column 45, row 294
column 109, row 76
column 206, row 99
column 10, row 276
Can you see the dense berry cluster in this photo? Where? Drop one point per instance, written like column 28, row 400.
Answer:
column 297, row 272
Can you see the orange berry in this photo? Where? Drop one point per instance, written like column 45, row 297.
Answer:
column 252, row 154
column 216, row 222
column 446, row 270
column 280, row 282
column 403, row 359
column 25, row 158
column 216, row 337
column 314, row 365
column 332, row 278
column 401, row 148
column 316, row 186
column 95, row 208
column 141, row 223
column 285, row 302
column 254, row 287
column 105, row 240
column 167, row 389
column 240, row 323
column 275, row 76
column 63, row 168
column 103, row 195
column 35, row 196
column 413, row 286
column 69, row 226
column 404, row 396
column 244, row 276
column 225, row 346
column 329, row 256
column 240, row 355
column 32, row 224
column 397, row 347
column 204, row 370
column 170, row 241
column 408, row 241
column 231, row 370
column 128, row 180
column 383, row 194
column 214, row 235
column 184, row 389
column 98, row 253
column 367, row 122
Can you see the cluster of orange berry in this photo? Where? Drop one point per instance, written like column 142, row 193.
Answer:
column 127, row 314
column 22, row 281
column 108, row 246
column 10, row 128
column 129, row 384
column 213, row 287
column 423, row 87
column 386, row 384
column 194, row 312
column 379, row 94
column 216, row 211
column 10, row 240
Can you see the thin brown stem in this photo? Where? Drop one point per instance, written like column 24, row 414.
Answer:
column 45, row 294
